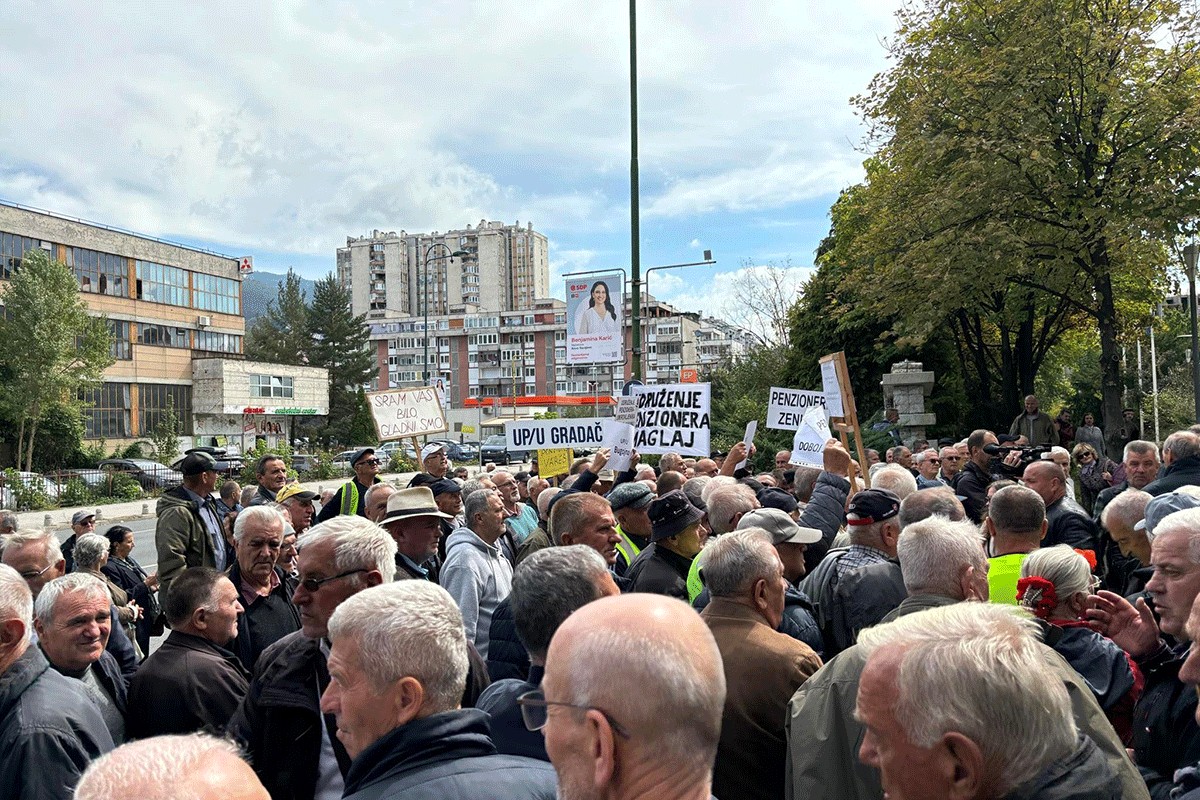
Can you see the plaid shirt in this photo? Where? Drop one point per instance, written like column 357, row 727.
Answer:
column 859, row 555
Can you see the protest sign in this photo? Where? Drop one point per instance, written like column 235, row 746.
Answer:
column 748, row 440
column 554, row 462
column 785, row 407
column 673, row 418
column 626, row 409
column 544, row 434
column 809, row 442
column 833, row 393
column 595, row 332
column 618, row 438
column 834, row 364
column 406, row 412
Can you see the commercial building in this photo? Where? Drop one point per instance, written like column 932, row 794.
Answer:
column 502, row 268
column 170, row 308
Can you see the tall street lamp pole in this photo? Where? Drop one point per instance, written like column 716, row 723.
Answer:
column 635, row 221
column 1189, row 263
column 425, row 296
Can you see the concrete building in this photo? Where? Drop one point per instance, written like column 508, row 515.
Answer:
column 506, row 268
column 243, row 401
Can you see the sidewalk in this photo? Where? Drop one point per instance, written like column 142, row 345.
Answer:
column 58, row 518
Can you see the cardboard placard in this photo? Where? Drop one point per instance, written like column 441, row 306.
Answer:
column 552, row 463
column 785, row 407
column 400, row 413
column 673, row 418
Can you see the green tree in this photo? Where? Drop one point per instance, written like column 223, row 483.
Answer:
column 1047, row 144
column 339, row 342
column 50, row 346
column 166, row 434
column 281, row 335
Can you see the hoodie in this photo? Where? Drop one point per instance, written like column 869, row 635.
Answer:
column 478, row 577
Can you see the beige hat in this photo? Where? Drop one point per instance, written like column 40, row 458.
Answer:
column 415, row 502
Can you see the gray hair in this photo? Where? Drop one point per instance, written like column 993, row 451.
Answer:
column 715, row 482
column 9, row 520
column 544, row 498
column 1062, row 566
column 260, row 515
column 694, row 487
column 1128, row 507
column 90, row 549
column 1182, row 444
column 476, row 503
column 920, row 456
column 1018, row 510
column 733, row 563
column 549, row 586
column 357, row 543
column 1186, row 522
column 158, row 768
column 572, row 511
column 47, row 539
column 935, row 552
column 16, row 601
column 896, row 479
column 47, row 599
column 407, row 629
column 1141, row 447
column 984, row 663
column 193, row 588
column 726, row 502
column 470, row 487
column 373, row 490
column 938, row 501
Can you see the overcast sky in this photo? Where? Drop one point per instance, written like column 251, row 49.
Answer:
column 276, row 129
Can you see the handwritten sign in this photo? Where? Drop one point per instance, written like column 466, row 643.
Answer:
column 400, row 413
column 833, row 392
column 785, row 407
column 554, row 462
column 618, row 438
column 673, row 418
column 808, row 445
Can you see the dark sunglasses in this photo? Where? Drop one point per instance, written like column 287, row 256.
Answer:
column 312, row 584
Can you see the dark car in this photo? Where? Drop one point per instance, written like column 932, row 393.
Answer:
column 150, row 474
column 494, row 449
column 457, row 451
column 230, row 466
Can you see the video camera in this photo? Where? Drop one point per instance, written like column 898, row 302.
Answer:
column 1029, row 454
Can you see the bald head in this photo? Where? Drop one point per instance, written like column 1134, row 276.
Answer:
column 659, row 645
column 1047, row 479
column 930, row 502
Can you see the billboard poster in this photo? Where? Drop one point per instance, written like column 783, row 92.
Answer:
column 595, row 328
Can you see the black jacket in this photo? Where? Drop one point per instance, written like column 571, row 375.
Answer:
column 108, row 673
column 972, row 487
column 861, row 598
column 130, row 576
column 448, row 755
column 1081, row 775
column 1066, row 523
column 825, row 511
column 1165, row 734
column 508, row 726
column 266, row 620
column 659, row 571
column 507, row 657
column 1182, row 472
column 1115, row 568
column 49, row 730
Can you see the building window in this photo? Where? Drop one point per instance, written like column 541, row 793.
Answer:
column 106, row 411
column 99, row 273
column 163, row 335
column 216, row 294
column 122, row 346
column 153, row 402
column 159, row 283
column 218, row 342
column 271, row 386
column 12, row 249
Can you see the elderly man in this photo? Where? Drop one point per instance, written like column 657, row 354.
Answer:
column 376, row 499
column 1036, row 426
column 188, row 532
column 1181, row 462
column 398, row 667
column 449, row 498
column 414, row 521
column 783, row 459
column 264, row 588
column 298, row 503
column 1002, row 726
column 192, row 682
column 435, row 460
column 902, row 456
column 521, row 519
column 228, row 500
column 928, row 463
column 49, row 728
column 271, row 471
column 1015, row 526
column 763, row 668
column 1066, row 522
column 72, row 618
column 629, row 503
column 951, row 464
column 1140, row 460
column 586, row 518
column 606, row 741
column 81, row 522
column 1124, row 522
column 292, row 746
column 663, row 567
column 351, row 497
column 476, row 573
column 548, row 587
column 943, row 564
column 198, row 767
column 8, row 522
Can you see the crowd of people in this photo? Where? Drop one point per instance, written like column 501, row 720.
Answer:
column 976, row 619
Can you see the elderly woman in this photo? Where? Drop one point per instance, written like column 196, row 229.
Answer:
column 91, row 554
column 1055, row 585
column 1096, row 473
column 125, row 571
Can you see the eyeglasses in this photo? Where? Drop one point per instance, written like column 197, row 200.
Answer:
column 534, row 708
column 312, row 584
column 371, row 462
column 32, row 575
column 934, row 460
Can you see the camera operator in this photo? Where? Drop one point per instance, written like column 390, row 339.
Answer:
column 986, row 461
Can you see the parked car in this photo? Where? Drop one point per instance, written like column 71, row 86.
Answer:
column 304, row 462
column 230, row 466
column 342, row 460
column 48, row 487
column 150, row 474
column 387, row 450
column 457, row 451
column 495, row 449
column 96, row 480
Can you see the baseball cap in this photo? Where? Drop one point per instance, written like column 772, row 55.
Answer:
column 366, row 451
column 197, row 463
column 294, row 490
column 630, row 495
column 671, row 514
column 772, row 497
column 779, row 525
column 444, row 486
column 872, row 505
column 79, row 517
column 431, row 448
column 415, row 502
column 1163, row 506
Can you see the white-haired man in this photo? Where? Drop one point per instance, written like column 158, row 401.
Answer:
column 606, row 741
column 265, row 589
column 943, row 563
column 291, row 744
column 398, row 667
column 195, row 766
column 928, row 463
column 49, row 728
column 1001, row 725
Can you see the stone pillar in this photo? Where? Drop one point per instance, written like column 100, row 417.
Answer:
column 906, row 388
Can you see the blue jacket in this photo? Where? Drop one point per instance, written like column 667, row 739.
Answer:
column 448, row 755
column 507, row 658
column 508, row 725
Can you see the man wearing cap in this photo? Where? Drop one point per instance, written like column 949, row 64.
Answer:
column 763, row 668
column 662, row 568
column 629, row 503
column 81, row 522
column 299, row 504
column 188, row 531
column 790, row 541
column 415, row 523
column 435, row 462
column 351, row 498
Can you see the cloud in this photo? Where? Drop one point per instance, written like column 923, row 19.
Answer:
column 735, row 295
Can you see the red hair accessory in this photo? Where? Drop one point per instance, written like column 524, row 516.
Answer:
column 1038, row 595
column 1088, row 556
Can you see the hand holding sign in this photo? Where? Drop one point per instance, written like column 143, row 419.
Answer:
column 835, row 459
column 808, row 445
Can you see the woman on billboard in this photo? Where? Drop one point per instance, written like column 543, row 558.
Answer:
column 599, row 315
